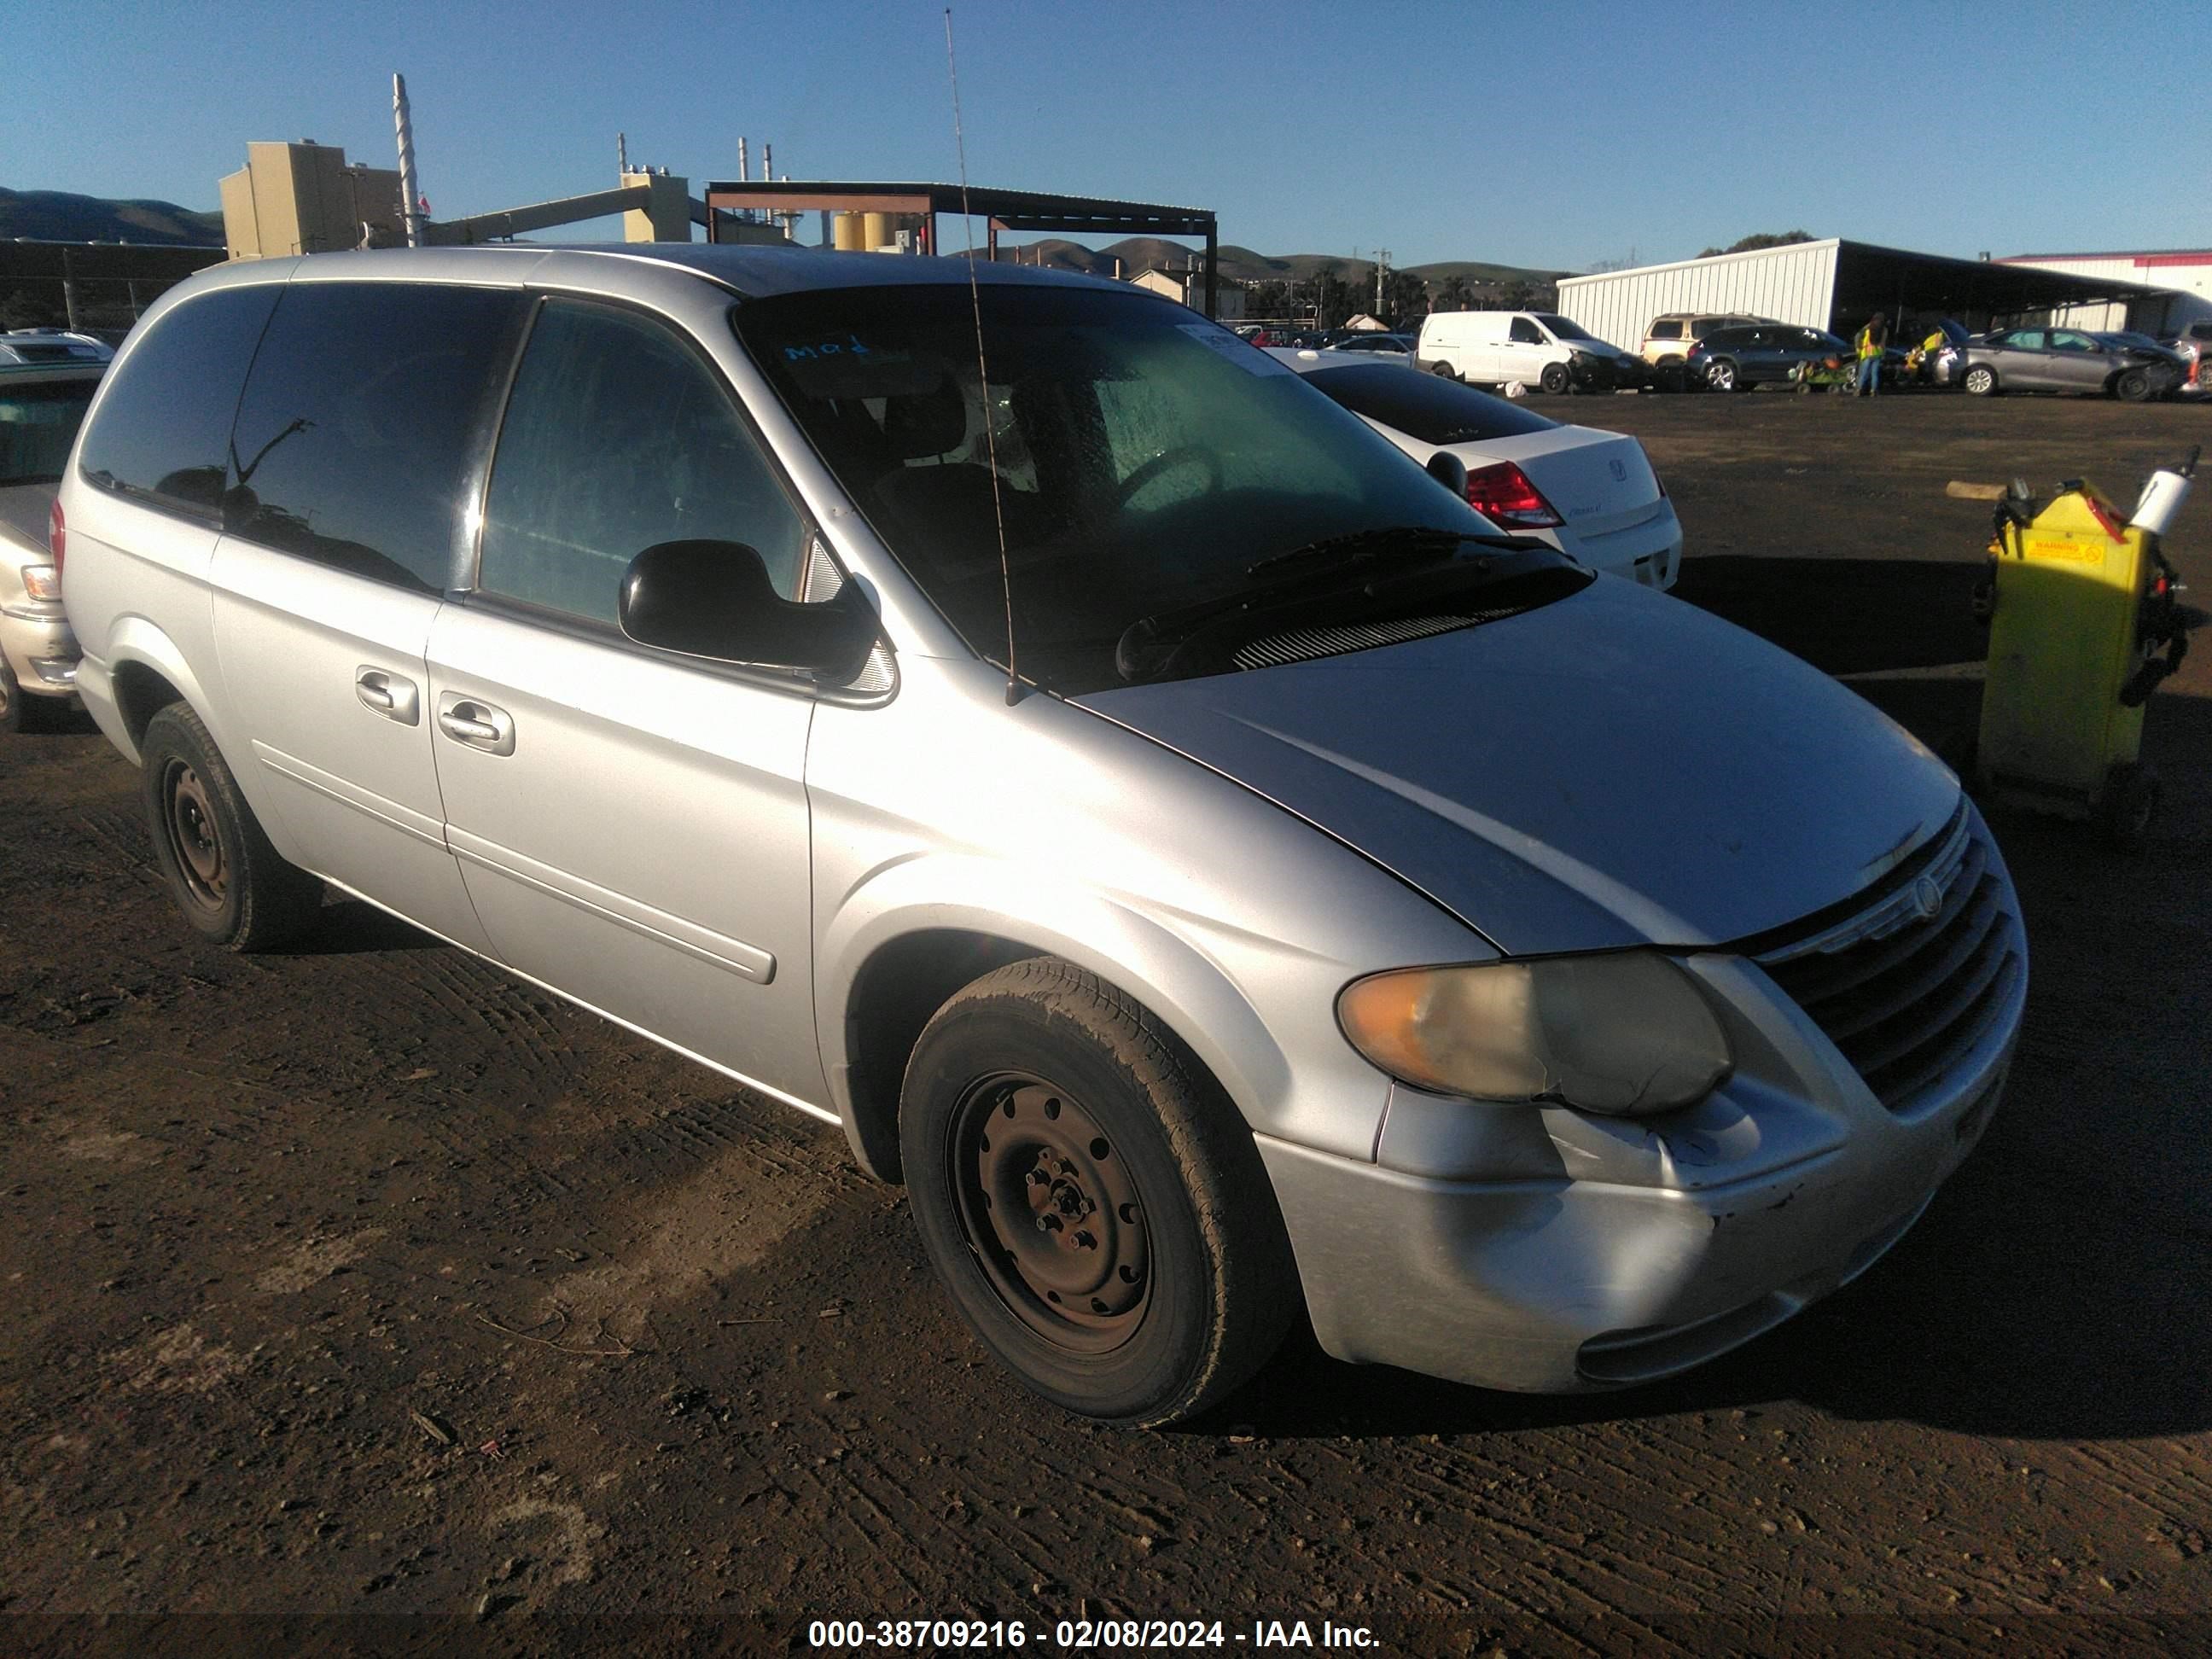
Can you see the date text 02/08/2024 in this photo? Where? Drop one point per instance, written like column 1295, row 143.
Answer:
column 1081, row 1635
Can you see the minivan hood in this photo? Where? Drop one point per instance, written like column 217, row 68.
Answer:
column 1615, row 768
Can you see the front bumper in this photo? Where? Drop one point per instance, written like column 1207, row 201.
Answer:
column 1555, row 1252
column 41, row 649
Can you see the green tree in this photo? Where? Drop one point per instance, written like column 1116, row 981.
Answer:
column 1453, row 294
column 1758, row 239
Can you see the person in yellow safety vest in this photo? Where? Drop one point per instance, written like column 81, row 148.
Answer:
column 1873, row 339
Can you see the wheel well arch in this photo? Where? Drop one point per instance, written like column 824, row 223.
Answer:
column 897, row 990
column 142, row 691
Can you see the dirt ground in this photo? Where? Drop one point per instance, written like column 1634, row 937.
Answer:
column 363, row 1279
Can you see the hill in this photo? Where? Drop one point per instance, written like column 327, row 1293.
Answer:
column 54, row 215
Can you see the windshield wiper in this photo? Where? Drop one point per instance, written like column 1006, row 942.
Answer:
column 1360, row 546
column 1338, row 568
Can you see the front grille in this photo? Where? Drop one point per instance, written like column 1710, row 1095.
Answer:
column 1905, row 995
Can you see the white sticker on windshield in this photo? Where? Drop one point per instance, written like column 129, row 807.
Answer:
column 1247, row 357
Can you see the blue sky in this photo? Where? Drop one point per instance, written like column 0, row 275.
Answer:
column 1554, row 134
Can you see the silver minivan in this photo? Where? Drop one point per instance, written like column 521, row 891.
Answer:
column 1024, row 725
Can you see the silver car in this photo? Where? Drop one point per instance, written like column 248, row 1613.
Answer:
column 1033, row 730
column 2061, row 359
column 42, row 406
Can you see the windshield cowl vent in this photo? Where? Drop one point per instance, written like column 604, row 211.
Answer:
column 1299, row 644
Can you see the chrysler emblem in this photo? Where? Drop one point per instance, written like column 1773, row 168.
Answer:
column 1927, row 897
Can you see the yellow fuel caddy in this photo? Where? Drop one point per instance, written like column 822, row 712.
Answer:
column 2083, row 627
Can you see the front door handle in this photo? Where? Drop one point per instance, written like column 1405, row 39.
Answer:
column 392, row 695
column 475, row 723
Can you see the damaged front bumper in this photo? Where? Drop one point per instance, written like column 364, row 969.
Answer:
column 1552, row 1251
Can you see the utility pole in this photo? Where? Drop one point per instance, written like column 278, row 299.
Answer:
column 1381, row 263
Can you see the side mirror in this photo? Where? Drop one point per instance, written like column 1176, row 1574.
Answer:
column 1448, row 469
column 714, row 599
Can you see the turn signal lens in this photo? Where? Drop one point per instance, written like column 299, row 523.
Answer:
column 1504, row 495
column 1625, row 1035
column 42, row 582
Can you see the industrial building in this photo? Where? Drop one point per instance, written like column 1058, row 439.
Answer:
column 2182, row 277
column 1837, row 284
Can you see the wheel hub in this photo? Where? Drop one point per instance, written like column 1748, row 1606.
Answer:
column 192, row 836
column 1052, row 1213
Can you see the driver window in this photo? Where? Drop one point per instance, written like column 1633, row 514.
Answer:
column 1525, row 332
column 2063, row 341
column 618, row 437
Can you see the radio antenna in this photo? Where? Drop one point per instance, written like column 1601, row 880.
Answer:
column 982, row 370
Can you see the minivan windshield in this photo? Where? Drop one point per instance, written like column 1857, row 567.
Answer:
column 1151, row 469
column 1563, row 329
column 38, row 424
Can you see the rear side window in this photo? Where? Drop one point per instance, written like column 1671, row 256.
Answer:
column 164, row 423
column 362, row 423
column 38, row 423
column 1667, row 328
column 1422, row 406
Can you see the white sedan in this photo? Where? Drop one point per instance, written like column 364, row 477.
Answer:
column 1590, row 494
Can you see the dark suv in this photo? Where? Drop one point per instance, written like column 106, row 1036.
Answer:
column 1757, row 354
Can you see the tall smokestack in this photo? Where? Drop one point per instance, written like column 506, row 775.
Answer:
column 622, row 154
column 411, row 195
column 745, row 168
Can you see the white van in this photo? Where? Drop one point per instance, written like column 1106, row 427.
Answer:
column 1536, row 347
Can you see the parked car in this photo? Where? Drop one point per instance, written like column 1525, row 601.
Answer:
column 42, row 406
column 1669, row 337
column 1750, row 354
column 2060, row 359
column 1592, row 495
column 51, row 345
column 1397, row 348
column 1533, row 348
column 2193, row 346
column 1154, row 820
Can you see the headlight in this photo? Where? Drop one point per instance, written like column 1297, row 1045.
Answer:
column 42, row 582
column 1625, row 1035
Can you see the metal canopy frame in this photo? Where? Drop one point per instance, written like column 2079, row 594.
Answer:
column 1870, row 278
column 1002, row 209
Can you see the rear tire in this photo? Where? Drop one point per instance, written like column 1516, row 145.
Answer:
column 1721, row 376
column 1090, row 1200
column 1980, row 381
column 231, row 884
column 1443, row 371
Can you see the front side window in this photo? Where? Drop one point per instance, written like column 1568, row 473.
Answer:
column 1144, row 460
column 38, row 423
column 2066, row 340
column 164, row 426
column 618, row 437
column 1526, row 332
column 361, row 422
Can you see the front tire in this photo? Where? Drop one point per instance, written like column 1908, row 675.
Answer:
column 1554, row 378
column 1981, row 381
column 231, row 884
column 1092, row 1202
column 13, row 713
column 2133, row 386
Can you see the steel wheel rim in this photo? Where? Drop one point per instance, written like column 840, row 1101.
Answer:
column 188, row 817
column 1051, row 1212
column 1723, row 377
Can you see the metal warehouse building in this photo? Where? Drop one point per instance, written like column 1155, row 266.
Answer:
column 1837, row 284
column 2184, row 275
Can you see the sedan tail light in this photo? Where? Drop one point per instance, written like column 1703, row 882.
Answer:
column 1504, row 495
column 56, row 534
